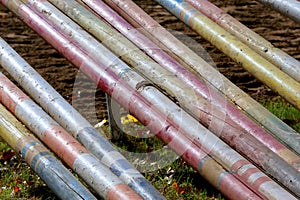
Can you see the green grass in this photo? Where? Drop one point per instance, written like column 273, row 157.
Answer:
column 18, row 180
column 175, row 181
column 284, row 111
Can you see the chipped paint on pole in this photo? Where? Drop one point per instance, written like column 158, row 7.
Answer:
column 220, row 178
column 225, row 178
column 276, row 56
column 40, row 159
column 78, row 126
column 211, row 77
column 236, row 50
column 90, row 169
column 272, row 163
column 146, row 112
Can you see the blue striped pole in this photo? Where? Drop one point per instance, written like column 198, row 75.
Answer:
column 75, row 124
column 85, row 164
column 40, row 159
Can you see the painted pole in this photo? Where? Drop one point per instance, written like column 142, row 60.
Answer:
column 76, row 124
column 47, row 96
column 147, row 113
column 202, row 162
column 289, row 8
column 235, row 49
column 40, row 159
column 249, row 144
column 279, row 58
column 232, row 114
column 90, row 48
column 210, row 75
column 90, row 169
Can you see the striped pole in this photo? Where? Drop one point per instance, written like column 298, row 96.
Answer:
column 74, row 123
column 279, row 58
column 289, row 8
column 232, row 114
column 99, row 177
column 235, row 49
column 261, row 155
column 195, row 157
column 211, row 76
column 52, row 172
column 248, row 146
column 147, row 113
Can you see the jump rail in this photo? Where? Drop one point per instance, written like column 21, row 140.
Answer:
column 40, row 159
column 70, row 7
column 211, row 76
column 85, row 164
column 81, row 129
column 235, row 49
column 193, row 156
column 90, row 48
column 152, row 108
column 248, row 143
column 276, row 56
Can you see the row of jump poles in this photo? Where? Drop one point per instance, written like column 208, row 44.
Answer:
column 230, row 139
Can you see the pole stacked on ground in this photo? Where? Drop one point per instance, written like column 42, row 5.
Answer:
column 266, row 160
column 40, row 159
column 235, row 49
column 289, row 8
column 51, row 100
column 211, row 76
column 197, row 158
column 126, row 95
column 281, row 172
column 120, row 45
column 94, row 173
column 279, row 58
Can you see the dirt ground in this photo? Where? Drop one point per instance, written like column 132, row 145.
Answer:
column 280, row 30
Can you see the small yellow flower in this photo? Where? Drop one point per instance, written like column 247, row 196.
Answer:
column 132, row 118
column 128, row 119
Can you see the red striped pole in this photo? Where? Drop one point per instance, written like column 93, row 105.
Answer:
column 99, row 177
column 203, row 163
column 244, row 143
column 132, row 101
column 40, row 159
column 276, row 56
column 74, row 123
column 211, row 76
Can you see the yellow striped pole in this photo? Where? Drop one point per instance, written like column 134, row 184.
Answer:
column 235, row 49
